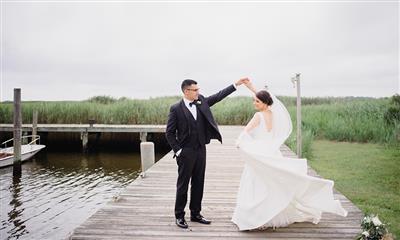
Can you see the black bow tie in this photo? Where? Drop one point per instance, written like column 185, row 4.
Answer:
column 193, row 103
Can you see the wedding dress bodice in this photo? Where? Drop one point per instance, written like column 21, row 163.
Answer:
column 260, row 140
column 261, row 133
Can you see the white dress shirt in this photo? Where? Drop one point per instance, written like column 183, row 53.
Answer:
column 192, row 109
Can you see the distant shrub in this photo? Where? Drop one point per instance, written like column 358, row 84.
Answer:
column 102, row 99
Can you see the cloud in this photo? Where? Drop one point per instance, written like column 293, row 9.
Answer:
column 146, row 49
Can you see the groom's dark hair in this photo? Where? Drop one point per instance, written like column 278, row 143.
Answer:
column 186, row 83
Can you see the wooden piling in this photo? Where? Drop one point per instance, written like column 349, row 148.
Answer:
column 299, row 139
column 17, row 132
column 24, row 139
column 147, row 156
column 85, row 140
column 143, row 136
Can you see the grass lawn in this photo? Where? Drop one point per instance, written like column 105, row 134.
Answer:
column 368, row 174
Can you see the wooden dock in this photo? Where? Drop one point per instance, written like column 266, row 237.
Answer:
column 145, row 209
column 86, row 129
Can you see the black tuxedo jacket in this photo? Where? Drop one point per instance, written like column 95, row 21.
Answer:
column 178, row 127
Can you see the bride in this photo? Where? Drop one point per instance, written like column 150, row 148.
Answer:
column 274, row 190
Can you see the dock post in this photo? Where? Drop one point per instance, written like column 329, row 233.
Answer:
column 24, row 139
column 143, row 136
column 34, row 124
column 17, row 132
column 147, row 156
column 85, row 140
column 296, row 80
column 298, row 103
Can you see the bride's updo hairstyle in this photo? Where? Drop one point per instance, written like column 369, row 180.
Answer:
column 265, row 97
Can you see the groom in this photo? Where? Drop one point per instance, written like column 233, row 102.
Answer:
column 190, row 127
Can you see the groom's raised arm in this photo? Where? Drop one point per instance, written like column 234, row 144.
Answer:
column 213, row 99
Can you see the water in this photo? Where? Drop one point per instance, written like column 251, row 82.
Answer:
column 58, row 191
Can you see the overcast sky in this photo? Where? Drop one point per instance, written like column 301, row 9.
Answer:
column 74, row 50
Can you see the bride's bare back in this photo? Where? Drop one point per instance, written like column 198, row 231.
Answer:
column 267, row 119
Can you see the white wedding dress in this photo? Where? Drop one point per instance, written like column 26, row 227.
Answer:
column 274, row 190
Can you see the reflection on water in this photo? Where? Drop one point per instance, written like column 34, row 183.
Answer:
column 59, row 191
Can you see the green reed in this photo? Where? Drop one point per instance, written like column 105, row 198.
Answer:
column 342, row 119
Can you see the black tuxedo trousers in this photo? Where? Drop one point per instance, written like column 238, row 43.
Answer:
column 191, row 167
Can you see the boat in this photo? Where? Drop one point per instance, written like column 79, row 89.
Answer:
column 27, row 150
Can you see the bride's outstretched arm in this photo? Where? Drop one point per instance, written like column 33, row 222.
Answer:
column 251, row 87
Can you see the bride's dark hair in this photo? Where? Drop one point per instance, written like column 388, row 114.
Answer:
column 265, row 97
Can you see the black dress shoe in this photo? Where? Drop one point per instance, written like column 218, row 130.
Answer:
column 180, row 222
column 199, row 219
